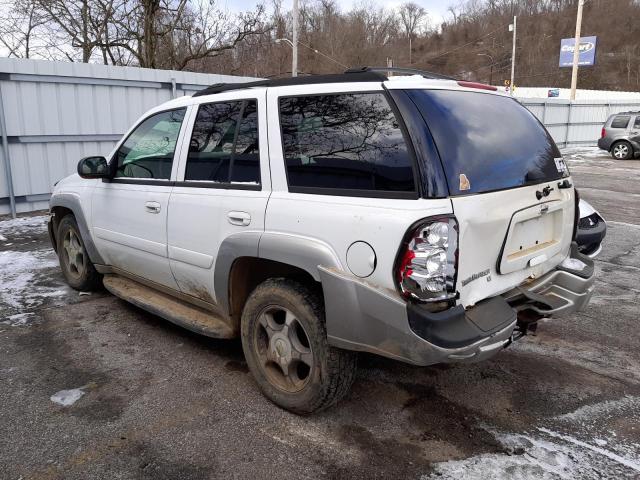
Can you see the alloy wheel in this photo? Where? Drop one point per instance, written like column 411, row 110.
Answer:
column 621, row 151
column 283, row 349
column 75, row 258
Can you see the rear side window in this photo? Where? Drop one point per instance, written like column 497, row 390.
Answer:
column 345, row 144
column 488, row 142
column 637, row 122
column 224, row 144
column 621, row 121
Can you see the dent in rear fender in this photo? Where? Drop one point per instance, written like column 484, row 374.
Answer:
column 243, row 244
column 364, row 318
column 302, row 252
column 72, row 202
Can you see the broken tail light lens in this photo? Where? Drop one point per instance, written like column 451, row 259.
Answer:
column 428, row 261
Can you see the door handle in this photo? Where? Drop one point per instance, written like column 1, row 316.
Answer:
column 152, row 207
column 239, row 218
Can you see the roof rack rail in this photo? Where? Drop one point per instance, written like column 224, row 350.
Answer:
column 360, row 74
column 364, row 76
column 414, row 71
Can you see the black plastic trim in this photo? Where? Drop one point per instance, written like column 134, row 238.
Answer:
column 340, row 192
column 363, row 76
column 457, row 327
column 218, row 185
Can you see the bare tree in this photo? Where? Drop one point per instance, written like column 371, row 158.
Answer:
column 412, row 15
column 19, row 27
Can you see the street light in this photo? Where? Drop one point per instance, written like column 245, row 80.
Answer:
column 490, row 66
column 294, row 60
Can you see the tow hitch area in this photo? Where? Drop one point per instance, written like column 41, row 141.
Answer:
column 562, row 291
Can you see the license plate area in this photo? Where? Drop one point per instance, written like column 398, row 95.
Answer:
column 534, row 236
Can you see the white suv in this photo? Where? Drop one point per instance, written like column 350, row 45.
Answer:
column 419, row 218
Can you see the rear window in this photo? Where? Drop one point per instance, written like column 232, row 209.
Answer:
column 488, row 142
column 621, row 121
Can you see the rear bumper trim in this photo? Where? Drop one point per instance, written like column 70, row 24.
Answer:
column 363, row 317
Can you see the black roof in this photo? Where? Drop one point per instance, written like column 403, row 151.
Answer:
column 361, row 74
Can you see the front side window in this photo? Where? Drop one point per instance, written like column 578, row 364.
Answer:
column 637, row 122
column 148, row 152
column 621, row 121
column 224, row 144
column 341, row 142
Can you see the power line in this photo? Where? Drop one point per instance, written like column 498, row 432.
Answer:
column 465, row 45
column 315, row 50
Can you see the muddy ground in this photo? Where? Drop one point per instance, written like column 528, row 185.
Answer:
column 148, row 400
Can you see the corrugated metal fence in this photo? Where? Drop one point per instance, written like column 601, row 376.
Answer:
column 54, row 113
column 578, row 122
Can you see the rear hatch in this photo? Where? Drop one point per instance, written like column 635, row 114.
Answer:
column 506, row 179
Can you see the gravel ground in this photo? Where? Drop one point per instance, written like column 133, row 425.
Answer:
column 92, row 387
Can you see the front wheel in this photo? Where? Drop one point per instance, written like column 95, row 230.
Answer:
column 285, row 343
column 622, row 151
column 76, row 266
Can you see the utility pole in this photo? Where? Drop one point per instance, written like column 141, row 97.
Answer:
column 409, row 49
column 576, row 52
column 294, row 56
column 513, row 54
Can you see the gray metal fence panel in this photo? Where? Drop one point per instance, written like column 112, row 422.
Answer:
column 58, row 112
column 576, row 123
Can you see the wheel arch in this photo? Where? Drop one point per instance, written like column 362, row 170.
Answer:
column 61, row 205
column 245, row 260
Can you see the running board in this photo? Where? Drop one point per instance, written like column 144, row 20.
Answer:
column 176, row 311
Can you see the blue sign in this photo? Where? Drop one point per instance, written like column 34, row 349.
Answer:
column 553, row 92
column 587, row 55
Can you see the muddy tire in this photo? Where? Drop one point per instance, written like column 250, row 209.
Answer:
column 285, row 343
column 76, row 266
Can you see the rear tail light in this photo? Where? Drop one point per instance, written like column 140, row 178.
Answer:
column 428, row 261
column 603, row 133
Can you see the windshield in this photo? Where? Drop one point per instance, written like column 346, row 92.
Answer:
column 488, row 142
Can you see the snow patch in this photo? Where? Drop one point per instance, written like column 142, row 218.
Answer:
column 550, row 456
column 22, row 226
column 20, row 319
column 21, row 278
column 67, row 397
column 632, row 464
column 601, row 410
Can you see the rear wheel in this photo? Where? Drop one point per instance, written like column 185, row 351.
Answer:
column 76, row 266
column 285, row 343
column 622, row 151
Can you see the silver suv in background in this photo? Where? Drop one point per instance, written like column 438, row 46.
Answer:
column 621, row 135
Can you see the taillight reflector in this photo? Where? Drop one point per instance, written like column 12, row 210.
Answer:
column 427, row 263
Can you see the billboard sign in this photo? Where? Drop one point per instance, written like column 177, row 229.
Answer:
column 587, row 55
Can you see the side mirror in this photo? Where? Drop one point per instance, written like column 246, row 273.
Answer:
column 93, row 167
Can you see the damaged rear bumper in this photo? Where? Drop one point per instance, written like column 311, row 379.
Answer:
column 363, row 317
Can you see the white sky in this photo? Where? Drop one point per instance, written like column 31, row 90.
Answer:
column 436, row 9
